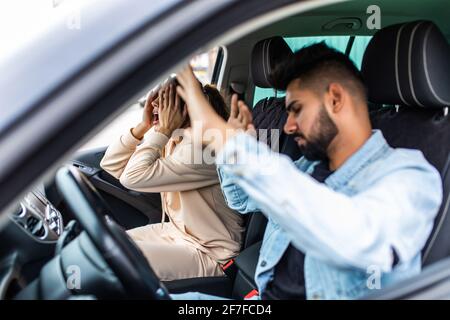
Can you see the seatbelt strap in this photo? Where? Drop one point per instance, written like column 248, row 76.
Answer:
column 252, row 294
column 227, row 265
column 230, row 269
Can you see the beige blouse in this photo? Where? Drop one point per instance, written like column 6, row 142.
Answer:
column 190, row 193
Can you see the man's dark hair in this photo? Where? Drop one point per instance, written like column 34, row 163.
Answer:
column 317, row 66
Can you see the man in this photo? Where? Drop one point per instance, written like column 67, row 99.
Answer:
column 373, row 212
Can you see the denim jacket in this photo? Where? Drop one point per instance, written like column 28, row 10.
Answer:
column 380, row 200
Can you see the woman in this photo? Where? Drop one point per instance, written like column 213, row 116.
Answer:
column 202, row 232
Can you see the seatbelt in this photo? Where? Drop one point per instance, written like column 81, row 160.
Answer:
column 349, row 47
column 230, row 269
column 252, row 294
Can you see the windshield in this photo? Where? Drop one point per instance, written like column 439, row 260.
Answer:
column 22, row 21
column 45, row 42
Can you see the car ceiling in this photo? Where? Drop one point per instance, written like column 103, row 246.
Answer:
column 312, row 23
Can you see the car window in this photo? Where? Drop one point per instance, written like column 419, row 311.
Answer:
column 203, row 65
column 64, row 27
column 338, row 42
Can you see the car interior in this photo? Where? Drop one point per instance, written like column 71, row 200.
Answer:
column 406, row 67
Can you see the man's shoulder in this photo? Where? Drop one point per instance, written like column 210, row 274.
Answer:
column 403, row 157
column 404, row 163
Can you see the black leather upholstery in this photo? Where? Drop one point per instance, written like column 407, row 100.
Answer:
column 265, row 55
column 409, row 65
column 268, row 114
column 412, row 62
column 218, row 286
column 429, row 131
column 246, row 264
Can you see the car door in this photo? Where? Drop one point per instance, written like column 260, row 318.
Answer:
column 128, row 207
column 131, row 208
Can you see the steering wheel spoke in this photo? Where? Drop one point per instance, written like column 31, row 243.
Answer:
column 120, row 253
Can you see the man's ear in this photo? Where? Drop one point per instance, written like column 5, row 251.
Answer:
column 336, row 95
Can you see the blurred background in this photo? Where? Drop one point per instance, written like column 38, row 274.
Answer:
column 202, row 64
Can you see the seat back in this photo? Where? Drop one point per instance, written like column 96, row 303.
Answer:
column 268, row 114
column 408, row 66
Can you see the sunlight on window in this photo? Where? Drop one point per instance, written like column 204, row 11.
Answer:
column 22, row 21
column 203, row 66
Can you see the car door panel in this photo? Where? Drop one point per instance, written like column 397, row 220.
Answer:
column 130, row 208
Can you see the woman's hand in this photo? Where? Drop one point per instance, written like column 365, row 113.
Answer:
column 171, row 117
column 147, row 115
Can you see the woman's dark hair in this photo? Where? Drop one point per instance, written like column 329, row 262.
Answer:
column 216, row 100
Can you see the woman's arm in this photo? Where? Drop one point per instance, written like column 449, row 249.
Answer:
column 119, row 152
column 147, row 171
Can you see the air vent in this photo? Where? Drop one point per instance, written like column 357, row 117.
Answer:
column 19, row 211
column 35, row 226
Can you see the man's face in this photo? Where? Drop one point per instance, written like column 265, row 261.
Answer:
column 308, row 120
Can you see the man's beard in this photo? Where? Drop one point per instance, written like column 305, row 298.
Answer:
column 322, row 133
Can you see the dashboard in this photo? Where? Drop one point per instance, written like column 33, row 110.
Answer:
column 40, row 250
column 28, row 240
column 36, row 215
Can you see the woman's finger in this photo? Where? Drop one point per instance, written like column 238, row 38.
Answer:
column 166, row 98
column 171, row 101
column 162, row 101
column 152, row 96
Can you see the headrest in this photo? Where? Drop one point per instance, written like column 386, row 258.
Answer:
column 265, row 55
column 408, row 64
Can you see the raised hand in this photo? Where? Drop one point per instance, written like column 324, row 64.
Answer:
column 171, row 116
column 202, row 114
column 147, row 115
column 240, row 115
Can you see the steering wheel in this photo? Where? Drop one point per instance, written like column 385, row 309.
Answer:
column 120, row 253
